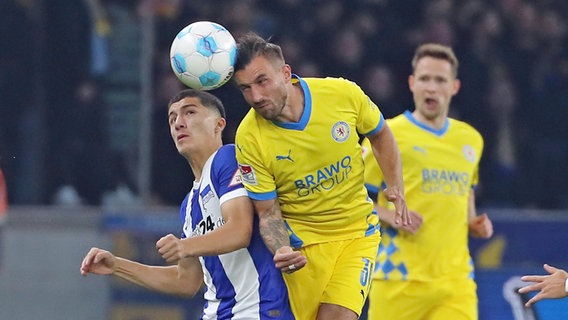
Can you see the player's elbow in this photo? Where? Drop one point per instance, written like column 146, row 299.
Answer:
column 188, row 292
column 186, row 288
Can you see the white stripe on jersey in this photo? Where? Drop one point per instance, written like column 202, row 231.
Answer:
column 232, row 280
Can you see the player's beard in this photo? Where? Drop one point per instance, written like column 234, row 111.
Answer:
column 275, row 113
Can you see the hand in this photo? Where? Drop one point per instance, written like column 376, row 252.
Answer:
column 410, row 228
column 551, row 286
column 481, row 227
column 98, row 261
column 288, row 260
column 171, row 248
column 402, row 216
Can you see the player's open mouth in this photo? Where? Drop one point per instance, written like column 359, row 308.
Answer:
column 431, row 102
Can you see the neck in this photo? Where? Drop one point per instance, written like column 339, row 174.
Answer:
column 434, row 123
column 294, row 107
column 197, row 159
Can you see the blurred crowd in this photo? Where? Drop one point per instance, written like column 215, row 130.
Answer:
column 55, row 64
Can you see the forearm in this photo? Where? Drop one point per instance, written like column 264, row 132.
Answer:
column 228, row 238
column 177, row 280
column 387, row 154
column 385, row 215
column 273, row 232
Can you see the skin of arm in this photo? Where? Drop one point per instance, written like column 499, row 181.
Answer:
column 275, row 236
column 388, row 216
column 551, row 286
column 387, row 154
column 184, row 279
column 480, row 226
column 234, row 234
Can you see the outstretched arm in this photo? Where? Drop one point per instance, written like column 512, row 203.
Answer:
column 183, row 279
column 387, row 154
column 275, row 236
column 552, row 286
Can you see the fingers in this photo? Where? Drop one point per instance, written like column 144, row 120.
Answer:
column 533, row 278
column 550, row 269
column 529, row 288
column 533, row 300
column 169, row 247
column 88, row 260
column 288, row 260
column 97, row 261
column 294, row 265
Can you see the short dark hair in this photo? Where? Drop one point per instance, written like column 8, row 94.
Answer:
column 207, row 99
column 251, row 45
column 436, row 51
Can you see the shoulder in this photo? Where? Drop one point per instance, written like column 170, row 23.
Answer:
column 465, row 128
column 331, row 82
column 398, row 121
column 250, row 123
column 227, row 150
column 224, row 159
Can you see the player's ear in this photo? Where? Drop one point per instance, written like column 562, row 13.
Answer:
column 287, row 70
column 410, row 81
column 221, row 124
column 457, row 85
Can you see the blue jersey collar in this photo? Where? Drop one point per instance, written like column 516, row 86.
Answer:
column 300, row 125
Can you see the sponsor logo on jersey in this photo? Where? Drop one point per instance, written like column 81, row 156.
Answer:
column 325, row 178
column 340, row 131
column 445, row 181
column 469, row 153
column 248, row 175
column 237, row 178
column 206, row 194
column 287, row 157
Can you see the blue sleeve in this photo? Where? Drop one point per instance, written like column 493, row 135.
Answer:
column 182, row 212
column 225, row 170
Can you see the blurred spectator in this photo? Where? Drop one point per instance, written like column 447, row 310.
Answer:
column 502, row 102
column 382, row 88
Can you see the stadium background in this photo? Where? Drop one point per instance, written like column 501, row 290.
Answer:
column 86, row 152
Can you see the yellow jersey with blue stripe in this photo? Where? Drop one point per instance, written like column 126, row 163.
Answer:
column 314, row 166
column 439, row 169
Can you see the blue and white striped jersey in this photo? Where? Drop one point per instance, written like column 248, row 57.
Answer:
column 243, row 284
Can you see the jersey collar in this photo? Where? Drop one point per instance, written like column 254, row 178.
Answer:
column 300, row 125
column 438, row 132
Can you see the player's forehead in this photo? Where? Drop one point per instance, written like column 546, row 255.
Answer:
column 428, row 65
column 186, row 102
column 259, row 66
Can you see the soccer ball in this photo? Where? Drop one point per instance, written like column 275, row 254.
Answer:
column 203, row 55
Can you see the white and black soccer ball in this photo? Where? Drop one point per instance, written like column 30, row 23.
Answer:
column 203, row 55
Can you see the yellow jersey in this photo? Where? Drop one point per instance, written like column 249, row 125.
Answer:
column 439, row 169
column 314, row 166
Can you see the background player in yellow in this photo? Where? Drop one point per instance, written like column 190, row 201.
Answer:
column 424, row 270
column 302, row 165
